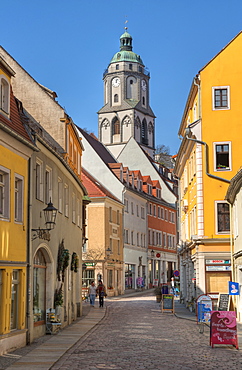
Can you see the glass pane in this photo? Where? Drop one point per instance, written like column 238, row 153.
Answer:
column 39, row 294
column 14, row 300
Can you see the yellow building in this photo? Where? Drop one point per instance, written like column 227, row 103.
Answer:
column 208, row 157
column 16, row 148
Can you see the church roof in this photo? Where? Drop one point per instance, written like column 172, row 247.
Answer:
column 126, row 54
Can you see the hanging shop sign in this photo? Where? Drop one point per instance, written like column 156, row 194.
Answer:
column 158, row 255
column 223, row 328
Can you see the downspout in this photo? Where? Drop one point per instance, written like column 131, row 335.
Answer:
column 188, row 130
column 28, row 273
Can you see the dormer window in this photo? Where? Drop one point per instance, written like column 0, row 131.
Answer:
column 4, row 95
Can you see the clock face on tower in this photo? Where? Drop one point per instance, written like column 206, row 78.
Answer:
column 143, row 85
column 116, row 82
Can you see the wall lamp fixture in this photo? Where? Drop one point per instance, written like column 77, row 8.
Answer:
column 50, row 213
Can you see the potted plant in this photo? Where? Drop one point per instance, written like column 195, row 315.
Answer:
column 158, row 294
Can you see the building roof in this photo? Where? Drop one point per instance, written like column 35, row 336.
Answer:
column 94, row 188
column 15, row 123
column 99, row 148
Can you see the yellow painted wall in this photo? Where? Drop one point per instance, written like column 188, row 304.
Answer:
column 13, row 235
column 221, row 125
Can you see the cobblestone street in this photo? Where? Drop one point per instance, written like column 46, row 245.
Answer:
column 134, row 334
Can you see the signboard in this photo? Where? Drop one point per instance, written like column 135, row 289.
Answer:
column 223, row 302
column 167, row 303
column 223, row 328
column 155, row 282
column 214, row 262
column 218, row 268
column 204, row 309
column 176, row 273
column 233, row 288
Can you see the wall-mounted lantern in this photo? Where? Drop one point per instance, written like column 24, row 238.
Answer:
column 50, row 213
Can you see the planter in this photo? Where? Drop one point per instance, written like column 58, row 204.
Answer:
column 158, row 298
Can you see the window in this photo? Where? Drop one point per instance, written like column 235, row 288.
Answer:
column 39, row 287
column 118, row 217
column 137, row 210
column 158, row 212
column 142, row 212
column 39, row 179
column 150, row 209
column 223, row 217
column 111, row 245
column 138, row 239
column 115, row 98
column 14, row 300
column 154, row 211
column 119, row 247
column 132, row 237
column 130, row 66
column 222, row 156
column 126, row 205
column 60, row 195
column 4, row 192
column 18, row 198
column 164, row 240
column 221, row 97
column 117, row 67
column 158, row 193
column 74, row 208
column 48, row 184
column 162, row 213
column 66, row 200
column 4, row 95
column 110, row 214
column 166, row 215
column 110, row 279
column 126, row 236
column 78, row 212
column 132, row 208
column 144, row 132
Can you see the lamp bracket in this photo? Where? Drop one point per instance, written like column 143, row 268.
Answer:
column 41, row 234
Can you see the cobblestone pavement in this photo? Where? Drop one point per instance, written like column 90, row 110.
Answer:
column 135, row 335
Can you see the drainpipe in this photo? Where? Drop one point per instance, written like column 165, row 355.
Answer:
column 188, row 130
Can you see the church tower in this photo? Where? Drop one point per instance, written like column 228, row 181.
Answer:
column 126, row 112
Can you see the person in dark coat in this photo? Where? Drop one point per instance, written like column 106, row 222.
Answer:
column 101, row 292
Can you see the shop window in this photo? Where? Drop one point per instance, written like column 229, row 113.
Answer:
column 110, row 279
column 39, row 288
column 4, row 192
column 14, row 300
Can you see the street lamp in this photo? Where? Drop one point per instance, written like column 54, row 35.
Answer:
column 50, row 213
column 152, row 253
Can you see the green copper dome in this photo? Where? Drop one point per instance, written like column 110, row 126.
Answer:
column 126, row 54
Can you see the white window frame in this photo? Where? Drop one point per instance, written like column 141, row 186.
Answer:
column 4, row 95
column 78, row 212
column 18, row 198
column 60, row 195
column 215, row 157
column 5, row 185
column 48, row 184
column 73, row 208
column 39, row 187
column 213, row 97
column 66, row 200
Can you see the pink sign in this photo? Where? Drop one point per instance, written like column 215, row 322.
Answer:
column 223, row 328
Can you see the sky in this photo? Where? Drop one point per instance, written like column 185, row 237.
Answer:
column 67, row 45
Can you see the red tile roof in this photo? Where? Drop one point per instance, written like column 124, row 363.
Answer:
column 94, row 188
column 14, row 122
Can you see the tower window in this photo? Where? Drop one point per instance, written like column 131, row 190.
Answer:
column 144, row 135
column 131, row 82
column 143, row 100
column 116, row 127
column 115, row 98
column 117, row 67
column 131, row 67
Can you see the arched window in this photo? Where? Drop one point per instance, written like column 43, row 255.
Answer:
column 143, row 100
column 39, row 287
column 144, row 135
column 116, row 126
column 115, row 98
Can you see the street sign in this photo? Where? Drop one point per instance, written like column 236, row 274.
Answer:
column 176, row 273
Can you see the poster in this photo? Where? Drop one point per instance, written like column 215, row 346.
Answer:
column 233, row 288
column 223, row 328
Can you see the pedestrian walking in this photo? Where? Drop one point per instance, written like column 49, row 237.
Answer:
column 101, row 291
column 92, row 291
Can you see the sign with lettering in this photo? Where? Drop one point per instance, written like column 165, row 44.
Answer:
column 204, row 308
column 223, row 328
column 223, row 302
column 167, row 303
column 218, row 268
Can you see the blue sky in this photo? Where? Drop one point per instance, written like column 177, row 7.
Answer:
column 67, row 45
